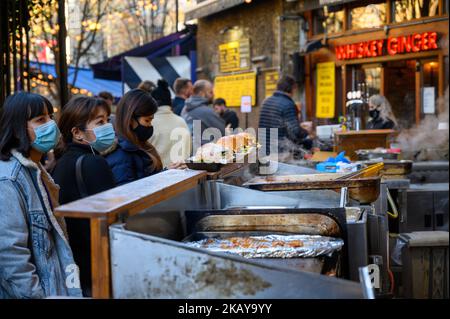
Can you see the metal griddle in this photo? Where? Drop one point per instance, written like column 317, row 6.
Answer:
column 364, row 190
column 259, row 222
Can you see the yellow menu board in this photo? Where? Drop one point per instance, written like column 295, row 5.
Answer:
column 233, row 87
column 270, row 79
column 229, row 57
column 325, row 93
column 234, row 56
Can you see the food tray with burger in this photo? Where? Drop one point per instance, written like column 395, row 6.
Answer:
column 230, row 149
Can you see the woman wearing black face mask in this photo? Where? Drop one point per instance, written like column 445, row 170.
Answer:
column 134, row 157
column 380, row 112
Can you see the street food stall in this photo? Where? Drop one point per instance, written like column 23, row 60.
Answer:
column 190, row 234
column 145, row 253
column 229, row 231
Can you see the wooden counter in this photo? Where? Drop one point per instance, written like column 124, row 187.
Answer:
column 350, row 141
column 116, row 204
column 228, row 170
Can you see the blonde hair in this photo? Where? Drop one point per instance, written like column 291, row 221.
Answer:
column 384, row 107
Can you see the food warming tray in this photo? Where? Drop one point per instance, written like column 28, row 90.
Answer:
column 364, row 190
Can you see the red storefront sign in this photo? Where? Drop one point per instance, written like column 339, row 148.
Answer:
column 413, row 43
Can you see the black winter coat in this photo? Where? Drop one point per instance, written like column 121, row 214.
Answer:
column 230, row 117
column 97, row 178
column 380, row 124
column 279, row 111
column 96, row 173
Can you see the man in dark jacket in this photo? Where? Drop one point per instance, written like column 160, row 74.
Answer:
column 197, row 110
column 279, row 111
column 183, row 90
column 229, row 116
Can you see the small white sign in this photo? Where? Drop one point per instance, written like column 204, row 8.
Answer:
column 325, row 2
column 246, row 104
column 428, row 100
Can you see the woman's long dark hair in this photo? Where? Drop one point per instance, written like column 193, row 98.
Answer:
column 17, row 110
column 77, row 113
column 134, row 104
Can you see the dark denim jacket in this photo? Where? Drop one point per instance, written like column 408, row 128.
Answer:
column 35, row 258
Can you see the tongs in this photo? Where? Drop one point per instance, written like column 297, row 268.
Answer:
column 369, row 171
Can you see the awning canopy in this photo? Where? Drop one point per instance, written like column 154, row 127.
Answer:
column 137, row 69
column 307, row 5
column 85, row 79
column 209, row 7
column 182, row 42
column 312, row 46
column 206, row 8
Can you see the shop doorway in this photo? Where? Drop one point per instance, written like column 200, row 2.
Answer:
column 400, row 90
column 410, row 86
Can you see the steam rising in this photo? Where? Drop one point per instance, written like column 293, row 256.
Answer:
column 426, row 142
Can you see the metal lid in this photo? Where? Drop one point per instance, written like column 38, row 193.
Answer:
column 426, row 238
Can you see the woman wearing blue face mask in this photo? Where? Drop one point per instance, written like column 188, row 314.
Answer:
column 80, row 169
column 35, row 257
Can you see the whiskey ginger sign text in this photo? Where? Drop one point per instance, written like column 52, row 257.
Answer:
column 413, row 43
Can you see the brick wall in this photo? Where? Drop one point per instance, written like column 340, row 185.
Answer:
column 259, row 21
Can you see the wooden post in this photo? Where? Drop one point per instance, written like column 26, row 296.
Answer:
column 62, row 65
column 176, row 15
column 418, row 91
column 344, row 89
column 100, row 259
column 390, row 15
column 13, row 43
column 104, row 209
column 441, row 80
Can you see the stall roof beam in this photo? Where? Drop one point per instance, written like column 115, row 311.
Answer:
column 210, row 7
column 307, row 5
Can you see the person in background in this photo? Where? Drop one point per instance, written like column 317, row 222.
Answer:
column 197, row 109
column 280, row 111
column 183, row 91
column 133, row 157
column 147, row 86
column 380, row 112
column 169, row 128
column 80, row 171
column 35, row 257
column 230, row 117
column 108, row 97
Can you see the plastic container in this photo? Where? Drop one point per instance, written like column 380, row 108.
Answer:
column 327, row 167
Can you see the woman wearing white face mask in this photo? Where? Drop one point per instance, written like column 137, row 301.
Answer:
column 80, row 169
column 35, row 257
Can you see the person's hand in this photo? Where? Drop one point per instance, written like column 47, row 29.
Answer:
column 177, row 165
column 308, row 126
